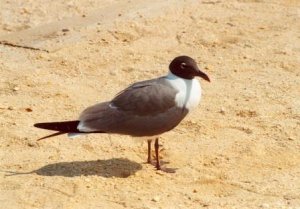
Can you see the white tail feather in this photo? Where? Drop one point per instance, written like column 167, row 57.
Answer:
column 74, row 135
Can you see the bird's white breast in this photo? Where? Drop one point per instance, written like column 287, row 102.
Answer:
column 189, row 91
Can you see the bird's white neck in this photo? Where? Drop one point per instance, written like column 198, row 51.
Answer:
column 189, row 91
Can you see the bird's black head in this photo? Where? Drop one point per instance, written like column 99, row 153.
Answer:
column 186, row 67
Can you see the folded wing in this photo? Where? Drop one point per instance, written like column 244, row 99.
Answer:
column 143, row 109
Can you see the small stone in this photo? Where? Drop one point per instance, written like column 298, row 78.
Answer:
column 10, row 108
column 195, row 191
column 28, row 109
column 32, row 144
column 291, row 138
column 222, row 111
column 65, row 30
column 16, row 88
column 204, row 204
column 159, row 172
column 156, row 199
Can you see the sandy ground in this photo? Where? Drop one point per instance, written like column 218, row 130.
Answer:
column 239, row 149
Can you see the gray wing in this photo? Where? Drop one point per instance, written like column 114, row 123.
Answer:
column 142, row 109
column 146, row 98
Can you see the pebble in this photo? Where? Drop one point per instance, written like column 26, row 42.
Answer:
column 160, row 173
column 205, row 204
column 291, row 138
column 32, row 144
column 156, row 199
column 65, row 30
column 222, row 111
column 16, row 88
column 28, row 109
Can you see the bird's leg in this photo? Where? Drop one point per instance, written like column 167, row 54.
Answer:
column 156, row 146
column 149, row 160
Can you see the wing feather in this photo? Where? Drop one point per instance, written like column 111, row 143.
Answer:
column 146, row 98
column 141, row 109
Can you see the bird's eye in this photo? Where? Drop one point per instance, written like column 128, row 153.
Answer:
column 183, row 65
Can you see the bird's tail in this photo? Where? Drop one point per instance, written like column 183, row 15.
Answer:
column 61, row 127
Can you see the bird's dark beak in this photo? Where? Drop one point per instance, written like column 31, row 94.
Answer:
column 202, row 75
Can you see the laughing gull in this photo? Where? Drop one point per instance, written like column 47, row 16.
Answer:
column 144, row 109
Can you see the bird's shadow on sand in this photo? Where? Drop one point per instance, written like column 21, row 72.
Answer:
column 115, row 167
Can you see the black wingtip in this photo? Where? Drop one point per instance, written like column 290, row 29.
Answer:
column 42, row 125
column 38, row 125
column 62, row 126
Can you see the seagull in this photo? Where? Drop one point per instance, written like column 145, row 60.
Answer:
column 144, row 109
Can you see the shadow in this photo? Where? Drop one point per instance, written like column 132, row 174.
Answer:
column 115, row 167
column 164, row 168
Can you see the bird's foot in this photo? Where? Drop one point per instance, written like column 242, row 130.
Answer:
column 166, row 170
column 161, row 167
column 149, row 161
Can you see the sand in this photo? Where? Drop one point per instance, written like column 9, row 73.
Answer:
column 238, row 149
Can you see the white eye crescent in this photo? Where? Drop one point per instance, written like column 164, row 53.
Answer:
column 183, row 65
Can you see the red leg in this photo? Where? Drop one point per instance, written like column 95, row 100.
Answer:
column 156, row 146
column 149, row 160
